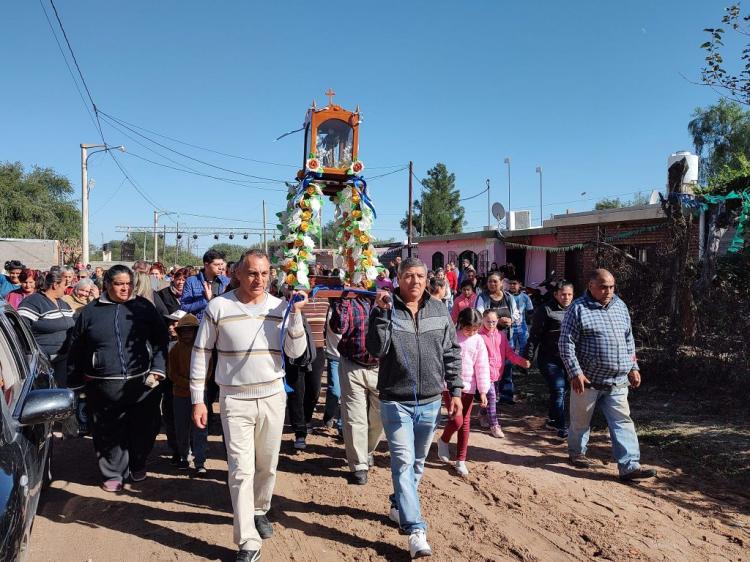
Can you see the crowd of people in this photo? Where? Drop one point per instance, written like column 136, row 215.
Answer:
column 146, row 349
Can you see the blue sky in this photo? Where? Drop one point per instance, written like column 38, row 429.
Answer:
column 591, row 91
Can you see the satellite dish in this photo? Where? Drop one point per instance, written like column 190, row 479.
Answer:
column 498, row 211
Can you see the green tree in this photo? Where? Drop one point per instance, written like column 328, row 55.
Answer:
column 732, row 82
column 37, row 204
column 639, row 198
column 440, row 206
column 721, row 136
column 232, row 252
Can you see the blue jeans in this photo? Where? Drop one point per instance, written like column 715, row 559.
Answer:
column 559, row 389
column 505, row 388
column 409, row 431
column 188, row 435
column 616, row 410
column 333, row 393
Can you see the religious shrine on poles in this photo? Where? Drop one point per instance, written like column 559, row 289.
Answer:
column 330, row 167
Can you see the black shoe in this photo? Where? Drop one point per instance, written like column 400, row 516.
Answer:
column 247, row 555
column 175, row 459
column 200, row 470
column 638, row 474
column 183, row 464
column 359, row 477
column 264, row 527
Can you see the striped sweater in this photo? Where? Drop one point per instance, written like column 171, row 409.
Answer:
column 50, row 322
column 247, row 340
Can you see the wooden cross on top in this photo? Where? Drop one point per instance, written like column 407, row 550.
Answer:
column 330, row 93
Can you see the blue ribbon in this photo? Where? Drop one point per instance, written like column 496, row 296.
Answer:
column 360, row 185
column 308, row 178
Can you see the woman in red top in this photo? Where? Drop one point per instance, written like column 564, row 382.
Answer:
column 452, row 277
column 27, row 279
column 467, row 299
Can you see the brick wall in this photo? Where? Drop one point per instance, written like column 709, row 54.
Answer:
column 577, row 265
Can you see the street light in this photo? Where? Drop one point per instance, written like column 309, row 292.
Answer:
column 507, row 161
column 541, row 212
column 85, row 194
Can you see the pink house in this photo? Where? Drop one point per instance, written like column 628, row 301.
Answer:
column 485, row 247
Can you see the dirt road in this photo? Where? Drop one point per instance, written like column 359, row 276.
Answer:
column 521, row 501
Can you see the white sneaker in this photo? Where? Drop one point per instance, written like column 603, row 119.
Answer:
column 461, row 468
column 444, row 453
column 495, row 431
column 393, row 516
column 418, row 547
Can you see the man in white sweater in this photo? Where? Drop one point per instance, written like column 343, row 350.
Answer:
column 245, row 328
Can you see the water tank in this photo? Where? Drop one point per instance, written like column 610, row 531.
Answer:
column 691, row 177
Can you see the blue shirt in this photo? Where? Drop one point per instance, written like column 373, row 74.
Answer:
column 524, row 306
column 6, row 286
column 597, row 341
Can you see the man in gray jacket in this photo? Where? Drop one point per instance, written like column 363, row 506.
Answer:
column 413, row 336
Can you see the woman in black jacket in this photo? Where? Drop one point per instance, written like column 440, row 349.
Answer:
column 543, row 338
column 167, row 300
column 118, row 351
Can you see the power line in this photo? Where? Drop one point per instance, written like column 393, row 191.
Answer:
column 475, row 196
column 187, row 156
column 78, row 68
column 183, row 167
column 67, row 64
column 198, row 146
column 232, row 181
column 387, row 174
column 97, row 122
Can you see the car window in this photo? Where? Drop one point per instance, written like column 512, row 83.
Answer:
column 11, row 372
column 25, row 339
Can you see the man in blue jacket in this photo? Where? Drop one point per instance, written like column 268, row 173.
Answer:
column 209, row 283
column 598, row 351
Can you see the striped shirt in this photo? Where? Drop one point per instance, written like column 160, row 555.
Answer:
column 597, row 341
column 50, row 322
column 247, row 341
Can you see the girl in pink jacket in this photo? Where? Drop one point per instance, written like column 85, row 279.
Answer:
column 475, row 372
column 498, row 350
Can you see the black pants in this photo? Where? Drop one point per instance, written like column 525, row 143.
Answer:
column 167, row 414
column 125, row 421
column 301, row 403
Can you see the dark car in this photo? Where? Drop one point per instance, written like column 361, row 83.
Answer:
column 29, row 405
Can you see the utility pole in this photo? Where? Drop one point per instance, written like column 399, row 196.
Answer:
column 409, row 225
column 488, row 203
column 84, row 204
column 145, row 238
column 177, row 245
column 507, row 214
column 421, row 214
column 85, row 194
column 265, row 238
column 541, row 211
column 156, row 245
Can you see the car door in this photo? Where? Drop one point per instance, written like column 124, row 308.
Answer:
column 38, row 375
column 15, row 489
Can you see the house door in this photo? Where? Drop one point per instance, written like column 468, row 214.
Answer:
column 518, row 259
